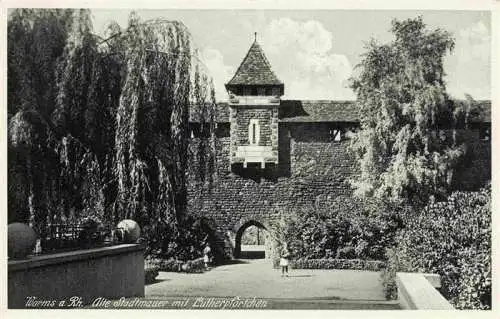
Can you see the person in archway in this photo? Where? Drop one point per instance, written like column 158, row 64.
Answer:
column 284, row 257
column 206, row 255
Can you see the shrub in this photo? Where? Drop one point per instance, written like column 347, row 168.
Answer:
column 389, row 273
column 91, row 231
column 170, row 265
column 151, row 269
column 150, row 274
column 341, row 228
column 173, row 265
column 331, row 263
column 195, row 266
column 182, row 243
column 451, row 239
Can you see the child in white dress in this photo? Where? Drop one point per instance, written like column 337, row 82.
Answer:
column 285, row 255
column 206, row 256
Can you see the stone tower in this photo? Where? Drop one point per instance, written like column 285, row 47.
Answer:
column 254, row 100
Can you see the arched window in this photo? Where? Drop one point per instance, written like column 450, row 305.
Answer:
column 254, row 132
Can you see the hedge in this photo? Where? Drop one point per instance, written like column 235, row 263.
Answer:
column 172, row 265
column 452, row 239
column 332, row 263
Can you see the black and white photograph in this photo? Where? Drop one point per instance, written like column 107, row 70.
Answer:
column 248, row 159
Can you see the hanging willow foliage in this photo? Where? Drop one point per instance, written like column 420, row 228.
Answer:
column 152, row 116
column 161, row 81
column 27, row 136
column 36, row 40
column 77, row 115
column 202, row 152
column 203, row 112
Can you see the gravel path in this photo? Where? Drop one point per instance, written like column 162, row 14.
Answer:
column 256, row 278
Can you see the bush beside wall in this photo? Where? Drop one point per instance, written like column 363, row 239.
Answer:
column 341, row 228
column 452, row 239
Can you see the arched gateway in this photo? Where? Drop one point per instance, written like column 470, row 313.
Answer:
column 258, row 244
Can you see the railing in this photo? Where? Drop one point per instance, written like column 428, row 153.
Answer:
column 68, row 237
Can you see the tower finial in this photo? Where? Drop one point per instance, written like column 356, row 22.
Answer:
column 255, row 34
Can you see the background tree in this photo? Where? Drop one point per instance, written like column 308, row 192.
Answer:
column 404, row 147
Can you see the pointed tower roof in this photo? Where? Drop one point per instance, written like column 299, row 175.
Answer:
column 255, row 69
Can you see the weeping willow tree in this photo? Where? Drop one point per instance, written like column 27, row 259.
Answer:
column 115, row 143
column 404, row 148
column 152, row 130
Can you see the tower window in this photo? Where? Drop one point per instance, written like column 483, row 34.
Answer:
column 261, row 91
column 254, row 132
column 247, row 91
column 275, row 91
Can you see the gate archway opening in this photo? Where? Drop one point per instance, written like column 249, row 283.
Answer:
column 252, row 241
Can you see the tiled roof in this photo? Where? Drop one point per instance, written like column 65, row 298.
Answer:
column 347, row 111
column 318, row 111
column 326, row 111
column 255, row 69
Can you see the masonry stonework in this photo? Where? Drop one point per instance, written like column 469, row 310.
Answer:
column 309, row 162
column 263, row 116
column 311, row 166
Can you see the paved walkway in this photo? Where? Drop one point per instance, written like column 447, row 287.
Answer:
column 256, row 278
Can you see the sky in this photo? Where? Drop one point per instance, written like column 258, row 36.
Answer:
column 315, row 52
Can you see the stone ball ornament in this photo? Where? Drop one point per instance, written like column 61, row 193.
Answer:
column 130, row 230
column 21, row 240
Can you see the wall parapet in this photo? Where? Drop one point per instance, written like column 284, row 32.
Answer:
column 110, row 272
column 417, row 291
